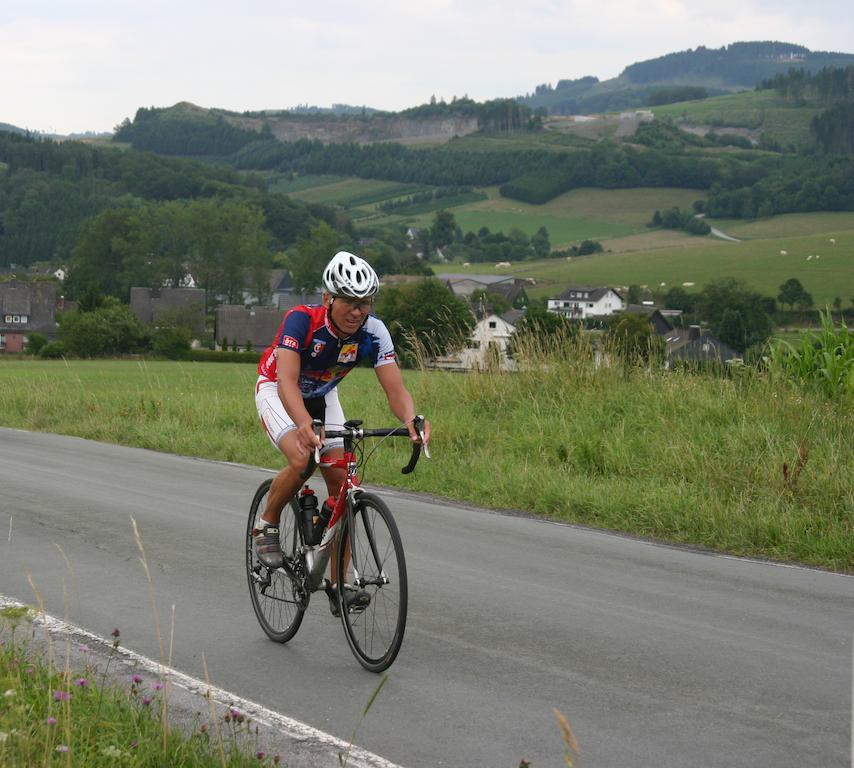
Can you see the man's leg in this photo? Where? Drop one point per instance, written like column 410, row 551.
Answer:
column 288, row 481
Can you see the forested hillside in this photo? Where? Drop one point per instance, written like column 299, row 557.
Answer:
column 681, row 76
column 533, row 165
column 53, row 195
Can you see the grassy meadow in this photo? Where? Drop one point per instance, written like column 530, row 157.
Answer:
column 581, row 214
column 634, row 254
column 683, row 458
column 764, row 111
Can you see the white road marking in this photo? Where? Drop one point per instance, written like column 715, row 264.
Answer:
column 299, row 731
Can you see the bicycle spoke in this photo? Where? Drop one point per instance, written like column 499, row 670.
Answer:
column 375, row 632
column 275, row 596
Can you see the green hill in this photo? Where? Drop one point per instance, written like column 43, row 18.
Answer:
column 682, row 76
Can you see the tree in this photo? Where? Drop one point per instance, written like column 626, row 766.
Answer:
column 754, row 324
column 541, row 244
column 425, row 318
column 791, row 292
column 634, row 294
column 541, row 331
column 111, row 329
column 444, row 228
column 731, row 329
column 310, row 255
column 495, row 302
column 630, row 336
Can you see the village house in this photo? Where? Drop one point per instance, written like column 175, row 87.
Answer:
column 694, row 345
column 26, row 308
column 488, row 344
column 252, row 326
column 511, row 288
column 582, row 301
column 186, row 304
column 661, row 323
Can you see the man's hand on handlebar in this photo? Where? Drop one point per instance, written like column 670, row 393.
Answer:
column 419, row 432
column 307, row 439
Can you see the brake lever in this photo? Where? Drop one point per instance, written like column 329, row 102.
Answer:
column 317, row 424
column 418, row 422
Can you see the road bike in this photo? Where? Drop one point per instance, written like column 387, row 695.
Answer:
column 363, row 542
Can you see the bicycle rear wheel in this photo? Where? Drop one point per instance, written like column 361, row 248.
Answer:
column 276, row 597
column 377, row 565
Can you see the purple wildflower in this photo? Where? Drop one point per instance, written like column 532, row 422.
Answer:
column 51, row 721
column 259, row 755
column 136, row 679
column 158, row 686
column 116, row 633
column 146, row 700
column 30, row 670
column 61, row 696
column 62, row 748
column 81, row 682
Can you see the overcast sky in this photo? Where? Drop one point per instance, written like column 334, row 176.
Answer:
column 85, row 65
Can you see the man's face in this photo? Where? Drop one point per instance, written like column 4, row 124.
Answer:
column 348, row 314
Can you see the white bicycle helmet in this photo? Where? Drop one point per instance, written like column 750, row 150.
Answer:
column 349, row 275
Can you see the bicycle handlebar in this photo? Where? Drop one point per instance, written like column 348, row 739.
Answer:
column 353, row 430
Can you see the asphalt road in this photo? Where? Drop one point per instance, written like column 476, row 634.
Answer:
column 658, row 656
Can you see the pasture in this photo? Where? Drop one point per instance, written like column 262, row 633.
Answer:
column 581, row 214
column 758, row 262
column 759, row 110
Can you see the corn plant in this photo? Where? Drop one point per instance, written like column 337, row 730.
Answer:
column 825, row 360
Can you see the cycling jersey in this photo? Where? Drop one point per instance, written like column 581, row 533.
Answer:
column 325, row 359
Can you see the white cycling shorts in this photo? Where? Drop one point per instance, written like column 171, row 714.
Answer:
column 276, row 421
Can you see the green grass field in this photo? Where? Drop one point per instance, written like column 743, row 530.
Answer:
column 679, row 457
column 637, row 255
column 351, row 191
column 758, row 262
column 287, row 186
column 581, row 214
column 764, row 111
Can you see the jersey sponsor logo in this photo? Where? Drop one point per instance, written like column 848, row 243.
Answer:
column 290, row 342
column 317, row 347
column 348, row 353
column 388, row 356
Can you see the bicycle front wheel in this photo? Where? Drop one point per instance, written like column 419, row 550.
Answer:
column 371, row 559
column 276, row 597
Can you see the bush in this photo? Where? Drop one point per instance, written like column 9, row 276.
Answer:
column 111, row 329
column 35, row 341
column 172, row 342
column 53, row 350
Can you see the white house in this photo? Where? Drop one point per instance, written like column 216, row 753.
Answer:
column 487, row 346
column 582, row 301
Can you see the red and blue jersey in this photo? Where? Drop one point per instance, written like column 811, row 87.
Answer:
column 325, row 359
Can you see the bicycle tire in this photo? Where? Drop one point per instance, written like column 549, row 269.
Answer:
column 275, row 596
column 374, row 633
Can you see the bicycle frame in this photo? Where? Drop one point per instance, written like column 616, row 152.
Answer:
column 369, row 567
column 318, row 557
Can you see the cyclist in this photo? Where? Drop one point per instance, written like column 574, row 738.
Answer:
column 314, row 348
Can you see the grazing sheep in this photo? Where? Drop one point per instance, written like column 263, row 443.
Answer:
column 833, row 241
column 784, row 253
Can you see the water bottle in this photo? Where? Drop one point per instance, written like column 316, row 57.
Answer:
column 321, row 520
column 308, row 508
